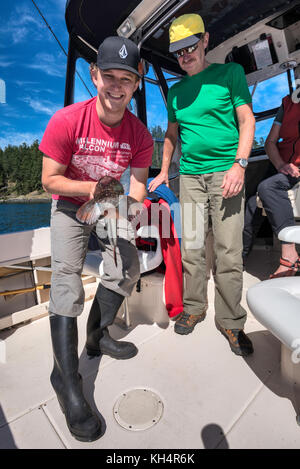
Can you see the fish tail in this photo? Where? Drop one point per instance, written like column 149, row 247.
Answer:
column 112, row 226
column 89, row 212
column 115, row 256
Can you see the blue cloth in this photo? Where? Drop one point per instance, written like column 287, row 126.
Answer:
column 165, row 193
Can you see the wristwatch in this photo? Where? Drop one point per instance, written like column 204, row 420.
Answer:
column 243, row 162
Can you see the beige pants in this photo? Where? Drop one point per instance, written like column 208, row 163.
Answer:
column 69, row 243
column 201, row 197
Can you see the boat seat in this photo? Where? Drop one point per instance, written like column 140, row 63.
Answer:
column 149, row 260
column 294, row 195
column 275, row 304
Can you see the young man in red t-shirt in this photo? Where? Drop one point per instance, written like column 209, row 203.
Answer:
column 82, row 143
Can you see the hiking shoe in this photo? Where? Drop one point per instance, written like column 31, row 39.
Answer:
column 186, row 322
column 239, row 343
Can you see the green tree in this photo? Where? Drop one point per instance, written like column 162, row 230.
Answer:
column 259, row 144
column 2, row 173
column 158, row 135
column 157, row 132
column 10, row 161
column 21, row 168
column 37, row 167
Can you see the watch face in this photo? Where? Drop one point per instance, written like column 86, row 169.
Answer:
column 243, row 162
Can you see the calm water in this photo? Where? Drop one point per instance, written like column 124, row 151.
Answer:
column 24, row 216
column 31, row 215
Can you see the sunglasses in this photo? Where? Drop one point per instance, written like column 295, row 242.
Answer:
column 187, row 50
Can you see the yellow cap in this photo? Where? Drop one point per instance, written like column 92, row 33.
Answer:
column 185, row 31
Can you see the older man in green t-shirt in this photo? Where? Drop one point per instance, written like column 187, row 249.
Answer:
column 211, row 106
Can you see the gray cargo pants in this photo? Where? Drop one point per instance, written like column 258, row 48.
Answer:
column 227, row 215
column 69, row 243
column 273, row 192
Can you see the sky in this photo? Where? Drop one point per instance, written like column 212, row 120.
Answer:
column 32, row 67
column 32, row 73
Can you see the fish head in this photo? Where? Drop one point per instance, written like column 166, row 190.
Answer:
column 108, row 190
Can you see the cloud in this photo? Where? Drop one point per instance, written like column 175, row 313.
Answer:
column 42, row 106
column 9, row 112
column 17, row 138
column 33, row 87
column 5, row 61
column 24, row 16
column 23, row 83
column 26, row 24
column 20, row 24
column 51, row 65
column 19, row 35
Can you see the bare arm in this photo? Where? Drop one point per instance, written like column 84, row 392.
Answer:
column 234, row 178
column 54, row 181
column 271, row 146
column 170, row 142
column 138, row 183
column 274, row 155
column 246, row 130
column 137, row 190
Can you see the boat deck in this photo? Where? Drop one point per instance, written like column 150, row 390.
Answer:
column 211, row 398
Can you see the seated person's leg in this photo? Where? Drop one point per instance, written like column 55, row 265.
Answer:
column 273, row 193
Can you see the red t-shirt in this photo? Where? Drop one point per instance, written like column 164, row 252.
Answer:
column 77, row 138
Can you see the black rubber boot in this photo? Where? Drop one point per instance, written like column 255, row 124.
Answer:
column 102, row 314
column 82, row 422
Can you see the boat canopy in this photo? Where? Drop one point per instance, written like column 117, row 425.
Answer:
column 147, row 22
column 264, row 37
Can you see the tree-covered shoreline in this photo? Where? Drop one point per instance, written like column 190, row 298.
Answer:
column 20, row 170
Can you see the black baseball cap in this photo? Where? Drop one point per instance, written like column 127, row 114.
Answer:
column 120, row 53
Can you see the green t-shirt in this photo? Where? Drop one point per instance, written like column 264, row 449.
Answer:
column 204, row 107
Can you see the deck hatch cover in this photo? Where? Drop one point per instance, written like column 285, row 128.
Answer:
column 138, row 409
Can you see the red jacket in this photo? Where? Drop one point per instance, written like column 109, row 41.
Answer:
column 173, row 284
column 289, row 148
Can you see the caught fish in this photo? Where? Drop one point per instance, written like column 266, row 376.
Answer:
column 106, row 195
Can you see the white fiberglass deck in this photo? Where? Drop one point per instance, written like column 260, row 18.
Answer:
column 212, row 398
